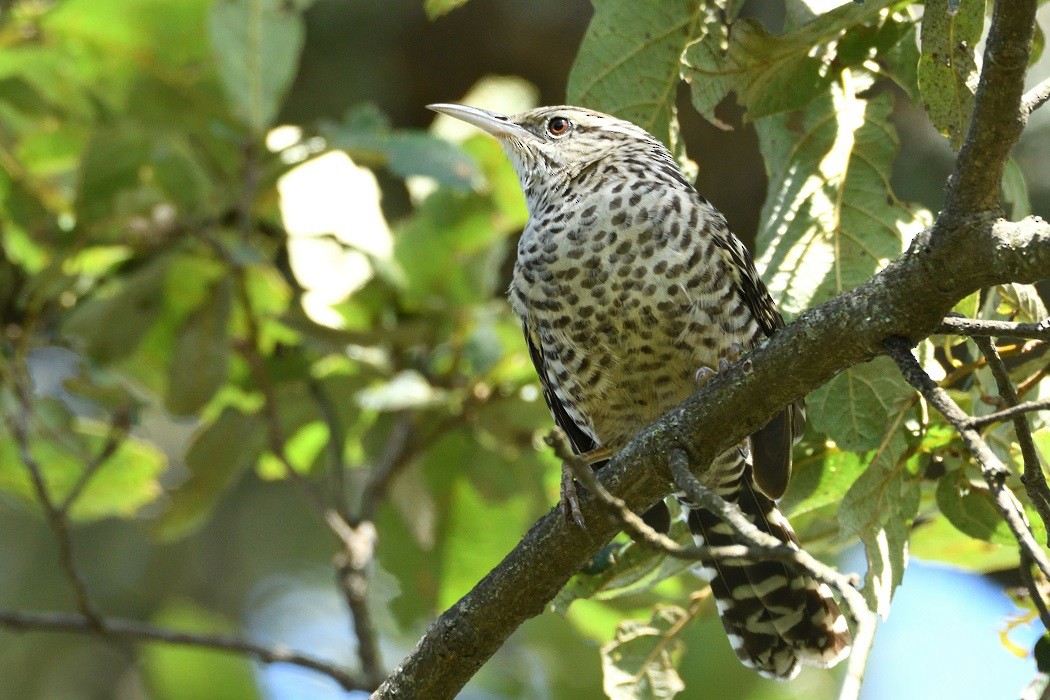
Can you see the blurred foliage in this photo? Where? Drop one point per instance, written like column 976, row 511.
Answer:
column 160, row 344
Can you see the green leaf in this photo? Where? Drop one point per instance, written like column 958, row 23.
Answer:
column 817, row 483
column 1021, row 302
column 879, row 508
column 200, row 355
column 628, row 62
column 948, row 71
column 451, row 250
column 436, row 8
column 126, row 482
column 111, row 165
column 1015, row 191
column 855, row 407
column 939, row 540
column 366, row 136
column 970, row 506
column 478, row 534
column 257, row 45
column 113, row 322
column 190, row 673
column 830, row 220
column 640, row 661
column 220, row 453
column 770, row 74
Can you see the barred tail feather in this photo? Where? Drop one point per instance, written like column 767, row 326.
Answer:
column 776, row 619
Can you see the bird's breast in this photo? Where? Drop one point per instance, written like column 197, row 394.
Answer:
column 626, row 304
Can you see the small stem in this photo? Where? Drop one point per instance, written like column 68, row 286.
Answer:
column 139, row 631
column 994, row 471
column 956, row 325
column 56, row 516
column 1032, row 478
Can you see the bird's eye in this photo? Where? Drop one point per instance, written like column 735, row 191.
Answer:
column 558, row 126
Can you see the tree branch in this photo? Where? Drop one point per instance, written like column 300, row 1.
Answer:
column 1008, row 413
column 957, row 325
column 140, row 631
column 993, row 470
column 57, row 517
column 998, row 118
column 1033, row 478
column 1036, row 97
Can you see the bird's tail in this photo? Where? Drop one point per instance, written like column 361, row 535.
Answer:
column 776, row 618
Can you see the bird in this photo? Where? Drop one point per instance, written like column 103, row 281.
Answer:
column 631, row 289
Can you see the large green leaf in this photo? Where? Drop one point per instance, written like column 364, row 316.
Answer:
column 365, row 135
column 628, row 63
column 124, row 483
column 200, row 355
column 970, row 507
column 879, row 508
column 948, row 69
column 639, row 663
column 477, row 536
column 436, row 8
column 830, row 220
column 772, row 74
column 113, row 322
column 855, row 407
column 256, row 44
column 220, row 453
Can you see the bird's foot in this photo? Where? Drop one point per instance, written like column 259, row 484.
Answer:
column 705, row 374
column 570, row 501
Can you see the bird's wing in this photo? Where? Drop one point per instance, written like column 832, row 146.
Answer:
column 580, row 439
column 771, row 444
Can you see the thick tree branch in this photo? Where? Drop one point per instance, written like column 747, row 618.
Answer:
column 968, row 248
column 904, row 299
column 998, row 117
column 140, row 631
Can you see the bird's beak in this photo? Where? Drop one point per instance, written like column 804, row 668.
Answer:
column 490, row 122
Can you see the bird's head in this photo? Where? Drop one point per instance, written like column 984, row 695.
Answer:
column 551, row 146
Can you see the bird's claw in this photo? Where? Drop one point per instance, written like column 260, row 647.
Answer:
column 570, row 502
column 706, row 374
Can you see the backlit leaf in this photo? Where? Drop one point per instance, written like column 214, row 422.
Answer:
column 628, row 62
column 256, row 44
column 948, row 69
column 640, row 661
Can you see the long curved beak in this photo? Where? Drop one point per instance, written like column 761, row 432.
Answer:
column 493, row 123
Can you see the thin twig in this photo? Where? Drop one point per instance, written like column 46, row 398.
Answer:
column 352, row 566
column 56, row 517
column 118, row 432
column 1025, row 569
column 1033, row 478
column 1008, row 413
column 1035, row 98
column 973, row 327
column 140, row 631
column 336, row 445
column 992, row 468
column 397, row 452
